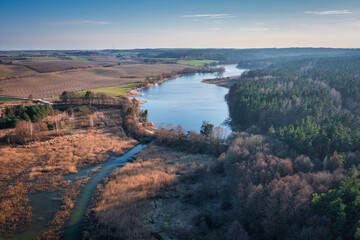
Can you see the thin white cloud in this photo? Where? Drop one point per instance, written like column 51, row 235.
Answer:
column 212, row 16
column 253, row 29
column 79, row 22
column 214, row 29
column 332, row 12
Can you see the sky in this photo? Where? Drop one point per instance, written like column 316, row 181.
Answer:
column 119, row 24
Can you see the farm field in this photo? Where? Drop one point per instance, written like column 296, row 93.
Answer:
column 197, row 63
column 111, row 91
column 54, row 83
column 54, row 65
column 14, row 70
column 78, row 58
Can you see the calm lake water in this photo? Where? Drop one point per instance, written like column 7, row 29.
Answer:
column 187, row 101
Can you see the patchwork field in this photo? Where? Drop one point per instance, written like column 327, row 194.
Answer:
column 54, row 83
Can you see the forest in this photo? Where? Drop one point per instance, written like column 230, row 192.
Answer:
column 296, row 169
column 15, row 114
column 242, row 56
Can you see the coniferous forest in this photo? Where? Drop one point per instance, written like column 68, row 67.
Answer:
column 296, row 173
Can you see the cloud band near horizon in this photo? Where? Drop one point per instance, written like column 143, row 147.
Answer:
column 332, row 12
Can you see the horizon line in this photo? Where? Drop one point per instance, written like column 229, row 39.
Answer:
column 167, row 48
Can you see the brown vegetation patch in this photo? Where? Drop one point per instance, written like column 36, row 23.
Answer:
column 126, row 206
column 40, row 165
column 14, row 209
column 7, row 70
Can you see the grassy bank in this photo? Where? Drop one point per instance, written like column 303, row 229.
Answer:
column 8, row 99
column 112, row 91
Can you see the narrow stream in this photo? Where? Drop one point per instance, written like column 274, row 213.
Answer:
column 44, row 206
column 73, row 230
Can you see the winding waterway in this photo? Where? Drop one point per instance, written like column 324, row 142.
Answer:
column 44, row 206
column 187, row 101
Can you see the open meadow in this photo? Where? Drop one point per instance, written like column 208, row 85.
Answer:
column 112, row 91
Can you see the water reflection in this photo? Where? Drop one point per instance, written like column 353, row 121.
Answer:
column 186, row 101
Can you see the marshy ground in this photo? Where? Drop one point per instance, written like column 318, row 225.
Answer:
column 40, row 166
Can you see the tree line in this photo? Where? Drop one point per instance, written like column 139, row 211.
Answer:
column 14, row 114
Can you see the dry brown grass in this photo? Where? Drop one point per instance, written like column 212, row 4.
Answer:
column 93, row 147
column 40, row 166
column 54, row 83
column 14, row 209
column 15, row 160
column 124, row 207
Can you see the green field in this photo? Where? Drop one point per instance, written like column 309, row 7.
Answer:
column 128, row 53
column 112, row 91
column 8, row 99
column 78, row 58
column 197, row 63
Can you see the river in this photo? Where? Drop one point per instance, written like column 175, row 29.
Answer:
column 187, row 101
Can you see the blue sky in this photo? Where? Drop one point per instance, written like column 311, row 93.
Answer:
column 64, row 24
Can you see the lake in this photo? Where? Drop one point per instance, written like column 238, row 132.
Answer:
column 187, row 101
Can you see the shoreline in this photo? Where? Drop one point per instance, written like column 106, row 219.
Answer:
column 226, row 82
column 133, row 92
